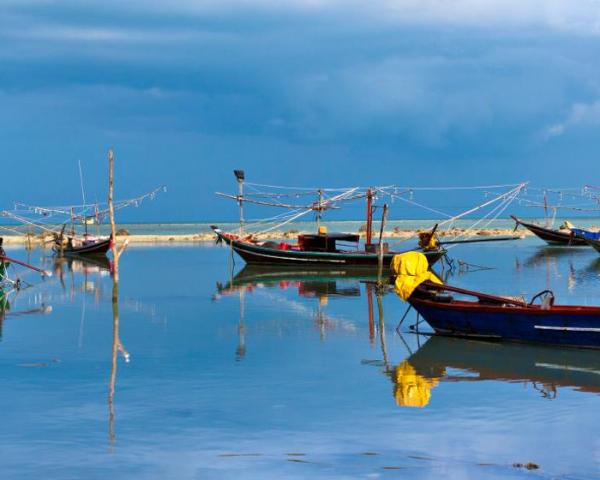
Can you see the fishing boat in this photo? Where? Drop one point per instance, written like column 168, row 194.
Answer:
column 564, row 236
column 86, row 245
column 318, row 249
column 492, row 317
column 502, row 318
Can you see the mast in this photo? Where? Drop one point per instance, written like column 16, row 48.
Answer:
column 380, row 247
column 369, row 217
column 319, row 210
column 239, row 175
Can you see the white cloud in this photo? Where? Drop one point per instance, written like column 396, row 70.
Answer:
column 581, row 114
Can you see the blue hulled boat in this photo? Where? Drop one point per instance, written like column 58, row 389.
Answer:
column 500, row 318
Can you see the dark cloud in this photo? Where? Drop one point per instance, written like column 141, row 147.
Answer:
column 389, row 81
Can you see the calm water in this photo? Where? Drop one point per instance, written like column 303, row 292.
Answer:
column 285, row 375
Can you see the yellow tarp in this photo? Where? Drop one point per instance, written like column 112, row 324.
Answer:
column 411, row 270
column 412, row 389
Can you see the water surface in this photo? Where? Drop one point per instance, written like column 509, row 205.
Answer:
column 288, row 374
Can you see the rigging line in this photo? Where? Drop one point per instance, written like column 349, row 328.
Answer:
column 65, row 209
column 300, row 189
column 412, row 202
column 274, row 221
column 269, row 204
column 475, row 187
column 499, row 209
column 506, row 201
column 336, row 198
column 28, row 222
column 258, row 192
column 485, row 204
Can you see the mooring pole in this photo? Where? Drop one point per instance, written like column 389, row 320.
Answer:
column 239, row 174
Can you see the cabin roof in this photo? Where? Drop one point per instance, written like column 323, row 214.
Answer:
column 345, row 237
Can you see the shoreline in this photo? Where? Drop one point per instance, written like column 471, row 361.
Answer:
column 280, row 235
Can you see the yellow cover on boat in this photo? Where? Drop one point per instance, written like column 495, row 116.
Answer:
column 412, row 389
column 411, row 270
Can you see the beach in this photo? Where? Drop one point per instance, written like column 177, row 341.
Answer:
column 166, row 238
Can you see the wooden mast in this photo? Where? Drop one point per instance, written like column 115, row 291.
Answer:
column 369, row 217
column 239, row 175
column 380, row 247
column 319, row 209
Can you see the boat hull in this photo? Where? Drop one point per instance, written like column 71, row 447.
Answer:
column 94, row 249
column 560, row 325
column 552, row 237
column 259, row 255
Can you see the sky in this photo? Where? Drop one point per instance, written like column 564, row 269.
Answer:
column 301, row 92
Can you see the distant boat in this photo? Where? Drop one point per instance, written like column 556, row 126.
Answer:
column 500, row 318
column 87, row 246
column 317, row 249
column 552, row 236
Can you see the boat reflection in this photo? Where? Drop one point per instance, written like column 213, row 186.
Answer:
column 545, row 256
column 7, row 310
column 309, row 283
column 547, row 369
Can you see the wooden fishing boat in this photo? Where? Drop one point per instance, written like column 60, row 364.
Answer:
column 500, row 318
column 552, row 236
column 546, row 367
column 318, row 249
column 88, row 246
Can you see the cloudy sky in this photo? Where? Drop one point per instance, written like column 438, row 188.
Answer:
column 303, row 92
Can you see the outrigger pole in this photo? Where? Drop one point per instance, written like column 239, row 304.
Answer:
column 45, row 273
column 239, row 174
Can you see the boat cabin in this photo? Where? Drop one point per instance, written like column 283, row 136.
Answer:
column 325, row 242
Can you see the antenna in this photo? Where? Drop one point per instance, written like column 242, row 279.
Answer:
column 81, row 182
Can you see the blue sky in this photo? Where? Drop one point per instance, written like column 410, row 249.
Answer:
column 306, row 92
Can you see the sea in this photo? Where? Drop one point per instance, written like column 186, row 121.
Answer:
column 204, row 368
column 351, row 226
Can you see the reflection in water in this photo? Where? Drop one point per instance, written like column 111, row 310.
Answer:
column 6, row 310
column 117, row 346
column 546, row 368
column 410, row 388
column 320, row 284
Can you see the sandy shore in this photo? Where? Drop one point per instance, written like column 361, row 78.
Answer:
column 289, row 235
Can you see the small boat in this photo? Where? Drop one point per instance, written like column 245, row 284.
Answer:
column 563, row 236
column 317, row 249
column 494, row 317
column 88, row 246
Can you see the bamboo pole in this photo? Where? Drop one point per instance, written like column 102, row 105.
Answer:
column 117, row 345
